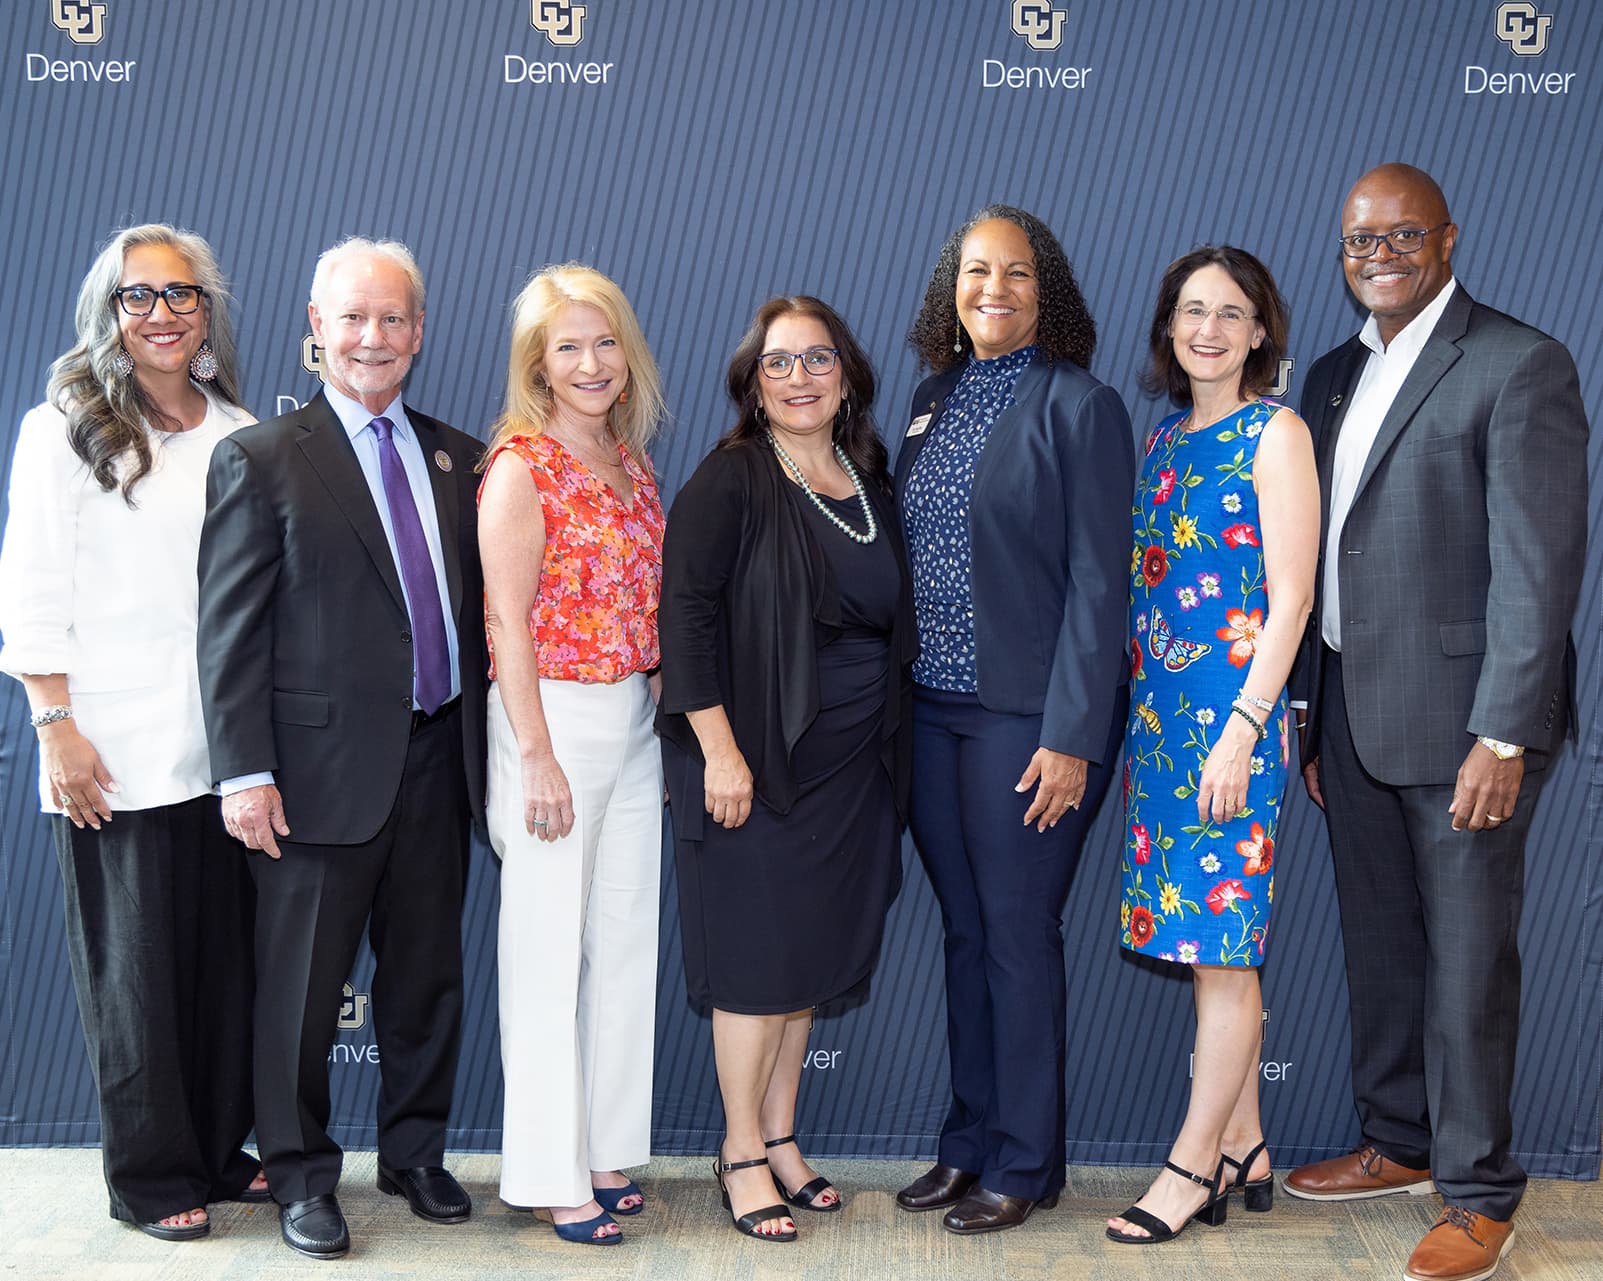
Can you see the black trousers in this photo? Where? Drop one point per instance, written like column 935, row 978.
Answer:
column 159, row 909
column 405, row 885
column 1002, row 887
column 1430, row 922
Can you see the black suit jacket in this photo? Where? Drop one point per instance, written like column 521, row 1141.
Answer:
column 1050, row 529
column 1461, row 554
column 305, row 645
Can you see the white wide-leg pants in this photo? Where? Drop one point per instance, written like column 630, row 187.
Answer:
column 578, row 944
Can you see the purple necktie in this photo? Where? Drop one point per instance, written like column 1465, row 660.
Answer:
column 432, row 682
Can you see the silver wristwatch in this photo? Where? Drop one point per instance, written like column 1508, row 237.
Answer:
column 1498, row 748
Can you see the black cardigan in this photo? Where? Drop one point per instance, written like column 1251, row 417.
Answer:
column 748, row 596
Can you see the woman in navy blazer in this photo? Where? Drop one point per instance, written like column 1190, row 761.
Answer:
column 1014, row 480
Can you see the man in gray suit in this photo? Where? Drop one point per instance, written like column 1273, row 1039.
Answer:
column 1436, row 677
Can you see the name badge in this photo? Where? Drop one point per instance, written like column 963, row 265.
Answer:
column 919, row 425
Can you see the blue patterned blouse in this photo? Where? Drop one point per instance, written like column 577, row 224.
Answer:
column 936, row 503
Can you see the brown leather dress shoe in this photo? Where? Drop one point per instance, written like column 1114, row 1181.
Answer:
column 939, row 1187
column 1461, row 1246
column 1362, row 1173
column 985, row 1211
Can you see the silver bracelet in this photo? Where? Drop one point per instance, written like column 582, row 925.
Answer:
column 1257, row 725
column 1262, row 704
column 50, row 715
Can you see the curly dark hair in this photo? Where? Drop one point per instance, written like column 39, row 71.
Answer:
column 854, row 430
column 1164, row 376
column 1065, row 331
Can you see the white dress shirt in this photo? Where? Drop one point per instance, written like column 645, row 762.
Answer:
column 106, row 593
column 1383, row 375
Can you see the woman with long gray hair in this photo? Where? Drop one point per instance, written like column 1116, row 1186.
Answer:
column 98, row 608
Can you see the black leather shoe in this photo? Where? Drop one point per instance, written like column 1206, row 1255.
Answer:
column 985, row 1211
column 430, row 1190
column 941, row 1186
column 314, row 1227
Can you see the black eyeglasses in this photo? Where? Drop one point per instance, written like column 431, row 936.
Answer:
column 815, row 360
column 140, row 300
column 1405, row 240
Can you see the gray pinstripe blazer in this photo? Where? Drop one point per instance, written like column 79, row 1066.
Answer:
column 1461, row 557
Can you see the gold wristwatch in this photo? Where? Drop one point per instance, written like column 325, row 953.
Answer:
column 1498, row 748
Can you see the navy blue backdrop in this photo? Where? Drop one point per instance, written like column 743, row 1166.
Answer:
column 709, row 153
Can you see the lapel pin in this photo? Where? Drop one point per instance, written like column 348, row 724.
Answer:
column 1335, row 400
column 442, row 460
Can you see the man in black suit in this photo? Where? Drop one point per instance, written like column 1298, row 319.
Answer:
column 342, row 672
column 1438, row 678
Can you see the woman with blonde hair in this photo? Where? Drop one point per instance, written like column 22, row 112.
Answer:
column 570, row 534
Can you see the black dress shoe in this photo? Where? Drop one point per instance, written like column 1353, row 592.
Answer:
column 941, row 1186
column 430, row 1190
column 985, row 1211
column 314, row 1227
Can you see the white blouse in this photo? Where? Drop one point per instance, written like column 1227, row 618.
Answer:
column 106, row 593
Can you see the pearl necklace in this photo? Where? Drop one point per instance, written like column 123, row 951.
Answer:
column 857, row 484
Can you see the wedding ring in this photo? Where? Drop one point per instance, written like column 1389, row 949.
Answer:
column 540, row 822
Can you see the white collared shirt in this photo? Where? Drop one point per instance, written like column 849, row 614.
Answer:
column 1384, row 373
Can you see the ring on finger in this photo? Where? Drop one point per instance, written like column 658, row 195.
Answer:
column 68, row 800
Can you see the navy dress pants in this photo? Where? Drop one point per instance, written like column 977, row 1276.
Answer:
column 1002, row 887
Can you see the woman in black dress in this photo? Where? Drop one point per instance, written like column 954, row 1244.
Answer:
column 787, row 634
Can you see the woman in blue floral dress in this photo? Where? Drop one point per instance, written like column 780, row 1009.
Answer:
column 1222, row 577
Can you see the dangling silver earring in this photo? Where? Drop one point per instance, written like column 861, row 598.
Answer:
column 122, row 364
column 762, row 414
column 957, row 337
column 845, row 410
column 203, row 364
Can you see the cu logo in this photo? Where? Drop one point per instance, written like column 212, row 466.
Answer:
column 1039, row 23
column 353, row 1009
column 1523, row 29
column 84, row 23
column 311, row 356
column 559, row 21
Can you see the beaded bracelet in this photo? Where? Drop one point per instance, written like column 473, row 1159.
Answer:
column 1257, row 725
column 49, row 716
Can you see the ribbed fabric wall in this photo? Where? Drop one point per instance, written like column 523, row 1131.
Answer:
column 733, row 150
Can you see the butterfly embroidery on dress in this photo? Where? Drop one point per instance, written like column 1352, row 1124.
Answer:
column 1175, row 653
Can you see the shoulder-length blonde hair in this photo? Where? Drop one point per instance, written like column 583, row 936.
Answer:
column 635, row 418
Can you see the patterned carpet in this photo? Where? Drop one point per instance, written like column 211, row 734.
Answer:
column 53, row 1225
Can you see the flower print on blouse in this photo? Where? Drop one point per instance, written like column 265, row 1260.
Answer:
column 595, row 616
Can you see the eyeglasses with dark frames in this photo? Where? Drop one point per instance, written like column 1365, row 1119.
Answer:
column 1405, row 240
column 815, row 360
column 140, row 300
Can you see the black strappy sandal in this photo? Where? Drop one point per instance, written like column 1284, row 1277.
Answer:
column 1258, row 1194
column 1212, row 1211
column 805, row 1197
column 747, row 1224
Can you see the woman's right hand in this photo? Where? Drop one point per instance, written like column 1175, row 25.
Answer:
column 547, row 801
column 77, row 775
column 729, row 791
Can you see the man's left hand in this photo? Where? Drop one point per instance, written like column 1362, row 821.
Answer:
column 1486, row 790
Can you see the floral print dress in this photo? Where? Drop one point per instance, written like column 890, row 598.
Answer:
column 1197, row 892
